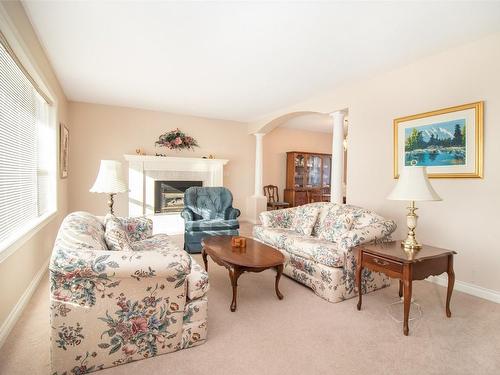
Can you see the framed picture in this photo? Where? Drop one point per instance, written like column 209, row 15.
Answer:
column 449, row 142
column 63, row 150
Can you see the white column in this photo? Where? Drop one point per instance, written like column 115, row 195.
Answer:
column 257, row 202
column 258, row 164
column 337, row 157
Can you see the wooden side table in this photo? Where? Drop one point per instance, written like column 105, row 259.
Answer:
column 390, row 259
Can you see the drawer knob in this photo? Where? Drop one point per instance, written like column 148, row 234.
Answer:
column 380, row 262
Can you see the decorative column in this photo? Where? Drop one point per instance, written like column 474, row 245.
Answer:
column 258, row 165
column 336, row 186
column 257, row 202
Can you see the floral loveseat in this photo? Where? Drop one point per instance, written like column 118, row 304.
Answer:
column 112, row 307
column 317, row 241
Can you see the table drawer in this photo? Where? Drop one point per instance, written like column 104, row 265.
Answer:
column 382, row 263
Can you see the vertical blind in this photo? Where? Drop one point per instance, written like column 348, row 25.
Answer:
column 26, row 150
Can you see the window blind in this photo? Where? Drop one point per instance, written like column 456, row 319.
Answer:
column 26, row 150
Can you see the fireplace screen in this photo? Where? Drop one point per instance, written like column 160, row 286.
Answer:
column 169, row 195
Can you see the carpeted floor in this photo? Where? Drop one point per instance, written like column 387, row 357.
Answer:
column 302, row 334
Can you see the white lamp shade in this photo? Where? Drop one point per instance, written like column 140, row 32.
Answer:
column 110, row 178
column 413, row 185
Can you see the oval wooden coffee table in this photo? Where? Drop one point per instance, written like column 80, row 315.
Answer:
column 255, row 257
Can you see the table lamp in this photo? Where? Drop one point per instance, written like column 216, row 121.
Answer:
column 413, row 185
column 109, row 180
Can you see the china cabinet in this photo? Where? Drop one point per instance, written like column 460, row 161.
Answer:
column 308, row 177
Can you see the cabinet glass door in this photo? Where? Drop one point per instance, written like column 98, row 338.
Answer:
column 300, row 170
column 327, row 171
column 314, row 171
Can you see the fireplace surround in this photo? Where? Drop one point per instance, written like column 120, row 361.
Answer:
column 145, row 170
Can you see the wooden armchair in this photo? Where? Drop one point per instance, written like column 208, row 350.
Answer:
column 273, row 198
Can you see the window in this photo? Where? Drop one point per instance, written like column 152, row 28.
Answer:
column 27, row 151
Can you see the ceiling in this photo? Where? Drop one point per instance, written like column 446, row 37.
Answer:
column 316, row 122
column 240, row 60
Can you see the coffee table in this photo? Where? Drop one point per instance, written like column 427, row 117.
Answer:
column 255, row 257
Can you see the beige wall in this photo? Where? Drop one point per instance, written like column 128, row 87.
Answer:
column 467, row 219
column 108, row 132
column 279, row 141
column 19, row 269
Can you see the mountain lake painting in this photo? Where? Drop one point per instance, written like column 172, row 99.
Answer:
column 438, row 144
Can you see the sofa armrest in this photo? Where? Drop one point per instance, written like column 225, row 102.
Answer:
column 379, row 231
column 197, row 281
column 187, row 214
column 137, row 228
column 277, row 218
column 80, row 275
column 231, row 213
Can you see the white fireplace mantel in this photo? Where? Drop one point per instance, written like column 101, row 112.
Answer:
column 145, row 169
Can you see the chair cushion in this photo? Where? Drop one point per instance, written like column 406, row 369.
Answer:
column 304, row 219
column 209, row 225
column 159, row 242
column 115, row 235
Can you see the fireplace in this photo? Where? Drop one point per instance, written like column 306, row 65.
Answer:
column 169, row 195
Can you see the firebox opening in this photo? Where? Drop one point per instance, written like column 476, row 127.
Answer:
column 169, row 195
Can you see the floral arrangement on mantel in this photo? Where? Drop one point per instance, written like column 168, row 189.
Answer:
column 176, row 140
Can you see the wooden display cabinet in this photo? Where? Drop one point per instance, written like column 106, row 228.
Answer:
column 308, row 177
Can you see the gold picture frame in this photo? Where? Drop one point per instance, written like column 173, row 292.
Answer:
column 449, row 141
column 63, row 151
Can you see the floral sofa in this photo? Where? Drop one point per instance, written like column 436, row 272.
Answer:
column 112, row 307
column 317, row 241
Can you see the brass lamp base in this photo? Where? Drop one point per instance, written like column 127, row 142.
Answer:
column 411, row 244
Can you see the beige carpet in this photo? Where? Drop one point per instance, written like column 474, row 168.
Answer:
column 302, row 334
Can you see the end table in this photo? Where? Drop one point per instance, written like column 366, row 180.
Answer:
column 391, row 259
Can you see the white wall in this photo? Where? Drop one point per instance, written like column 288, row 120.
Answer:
column 467, row 219
column 108, row 132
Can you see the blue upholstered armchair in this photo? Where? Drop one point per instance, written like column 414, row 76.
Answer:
column 208, row 211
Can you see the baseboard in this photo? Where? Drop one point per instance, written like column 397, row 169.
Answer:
column 474, row 290
column 16, row 312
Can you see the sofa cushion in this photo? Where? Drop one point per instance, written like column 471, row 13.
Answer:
column 311, row 248
column 115, row 235
column 304, row 219
column 277, row 218
column 324, row 209
column 138, row 228
column 321, row 251
column 334, row 225
column 217, row 224
column 366, row 218
column 275, row 237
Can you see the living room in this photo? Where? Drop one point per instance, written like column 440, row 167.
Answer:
column 249, row 83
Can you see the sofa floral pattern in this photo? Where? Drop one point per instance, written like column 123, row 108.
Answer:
column 304, row 219
column 112, row 307
column 325, row 261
